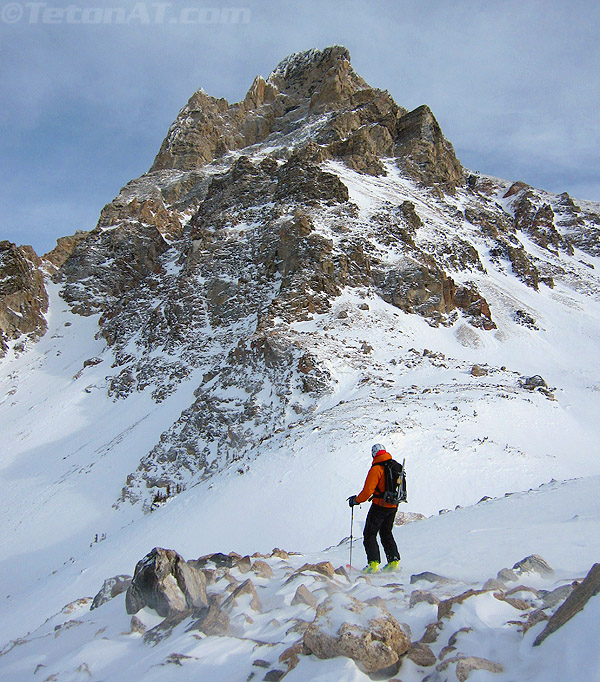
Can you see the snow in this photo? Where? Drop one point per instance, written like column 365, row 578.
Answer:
column 469, row 545
column 67, row 450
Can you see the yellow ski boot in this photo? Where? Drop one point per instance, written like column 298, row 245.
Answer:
column 371, row 567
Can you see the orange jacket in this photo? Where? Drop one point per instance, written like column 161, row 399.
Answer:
column 375, row 481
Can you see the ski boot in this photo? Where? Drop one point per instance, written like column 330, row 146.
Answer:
column 391, row 566
column 371, row 567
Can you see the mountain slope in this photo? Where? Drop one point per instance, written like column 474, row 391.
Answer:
column 299, row 275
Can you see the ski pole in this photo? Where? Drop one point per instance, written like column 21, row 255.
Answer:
column 351, row 527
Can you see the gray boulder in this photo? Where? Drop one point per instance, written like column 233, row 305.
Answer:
column 534, row 564
column 165, row 582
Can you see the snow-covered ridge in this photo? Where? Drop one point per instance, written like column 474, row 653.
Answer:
column 456, row 596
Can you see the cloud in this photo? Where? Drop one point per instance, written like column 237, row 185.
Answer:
column 513, row 85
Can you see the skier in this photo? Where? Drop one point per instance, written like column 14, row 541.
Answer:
column 380, row 518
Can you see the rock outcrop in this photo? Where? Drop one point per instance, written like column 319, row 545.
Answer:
column 166, row 583
column 23, row 297
column 573, row 604
column 255, row 218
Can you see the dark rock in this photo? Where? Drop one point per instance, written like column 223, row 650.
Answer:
column 262, row 569
column 304, row 596
column 478, row 371
column 421, row 654
column 515, row 188
column 418, row 596
column 551, row 599
column 423, row 151
column 505, row 575
column 531, row 383
column 430, row 577
column 211, row 620
column 166, row 583
column 245, row 588
column 432, row 632
column 465, row 665
column 23, row 297
column 574, row 603
column 165, row 629
column 64, row 248
column 534, row 564
column 323, row 567
column 445, row 607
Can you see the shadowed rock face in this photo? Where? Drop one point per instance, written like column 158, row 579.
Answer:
column 23, row 297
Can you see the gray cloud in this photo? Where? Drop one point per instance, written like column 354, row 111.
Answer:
column 85, row 108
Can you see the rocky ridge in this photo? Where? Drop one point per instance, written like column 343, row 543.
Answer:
column 264, row 215
column 284, row 612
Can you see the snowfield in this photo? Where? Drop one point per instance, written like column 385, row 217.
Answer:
column 560, row 521
column 67, row 450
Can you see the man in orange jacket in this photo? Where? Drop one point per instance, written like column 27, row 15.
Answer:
column 380, row 518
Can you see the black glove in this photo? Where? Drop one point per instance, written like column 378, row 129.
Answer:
column 352, row 501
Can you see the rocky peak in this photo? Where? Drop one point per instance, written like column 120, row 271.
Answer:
column 322, row 76
column 349, row 120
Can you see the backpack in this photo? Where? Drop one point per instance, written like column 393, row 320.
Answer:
column 395, row 482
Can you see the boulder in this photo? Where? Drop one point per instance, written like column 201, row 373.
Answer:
column 505, row 575
column 430, row 577
column 262, row 569
column 419, row 596
column 421, row 654
column 531, row 383
column 111, row 588
column 445, row 607
column 534, row 564
column 574, row 603
column 304, row 596
column 244, row 565
column 244, row 589
column 465, row 665
column 344, row 626
column 402, row 518
column 323, row 567
column 165, row 582
column 552, row 599
column 212, row 620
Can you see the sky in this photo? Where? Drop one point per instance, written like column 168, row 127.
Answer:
column 88, row 89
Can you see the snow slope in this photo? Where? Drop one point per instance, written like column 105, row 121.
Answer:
column 67, row 450
column 560, row 521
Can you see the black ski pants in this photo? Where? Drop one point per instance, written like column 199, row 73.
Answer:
column 380, row 520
